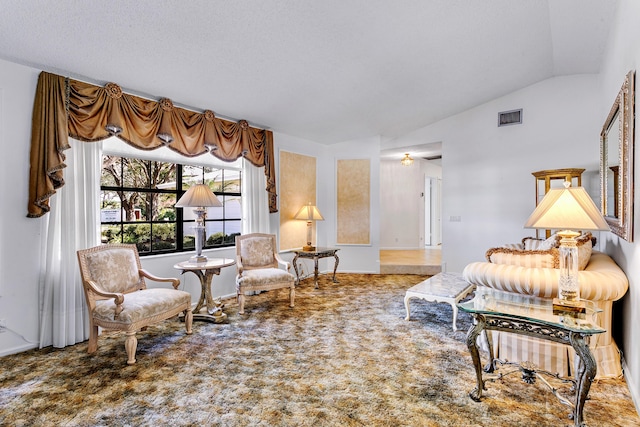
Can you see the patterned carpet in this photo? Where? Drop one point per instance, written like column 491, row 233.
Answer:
column 344, row 356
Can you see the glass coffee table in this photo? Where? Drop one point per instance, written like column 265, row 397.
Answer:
column 536, row 317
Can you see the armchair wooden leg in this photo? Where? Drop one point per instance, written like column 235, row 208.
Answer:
column 130, row 344
column 188, row 320
column 93, row 339
column 292, row 295
column 241, row 299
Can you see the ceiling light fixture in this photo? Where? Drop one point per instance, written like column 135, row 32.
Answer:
column 406, row 160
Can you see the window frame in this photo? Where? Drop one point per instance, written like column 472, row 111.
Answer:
column 182, row 219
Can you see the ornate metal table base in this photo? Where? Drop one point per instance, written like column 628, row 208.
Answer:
column 316, row 255
column 579, row 341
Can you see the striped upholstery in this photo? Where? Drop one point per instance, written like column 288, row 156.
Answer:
column 535, row 253
column 602, row 281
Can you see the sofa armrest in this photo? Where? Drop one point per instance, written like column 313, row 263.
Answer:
column 601, row 280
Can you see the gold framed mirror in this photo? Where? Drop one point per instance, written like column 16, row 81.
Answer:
column 616, row 161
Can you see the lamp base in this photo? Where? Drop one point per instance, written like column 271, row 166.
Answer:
column 561, row 306
column 197, row 259
column 308, row 248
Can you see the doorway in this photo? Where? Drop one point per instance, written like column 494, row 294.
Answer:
column 432, row 209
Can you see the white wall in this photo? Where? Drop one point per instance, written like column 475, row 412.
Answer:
column 486, row 170
column 623, row 55
column 352, row 258
column 402, row 202
column 19, row 236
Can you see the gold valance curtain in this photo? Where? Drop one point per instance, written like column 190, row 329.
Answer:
column 65, row 107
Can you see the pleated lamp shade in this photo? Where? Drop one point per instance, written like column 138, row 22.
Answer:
column 568, row 208
column 309, row 213
column 199, row 195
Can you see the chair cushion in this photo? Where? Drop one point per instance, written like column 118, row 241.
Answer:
column 264, row 276
column 257, row 252
column 115, row 270
column 151, row 303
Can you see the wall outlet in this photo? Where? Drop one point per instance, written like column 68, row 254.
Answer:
column 455, row 218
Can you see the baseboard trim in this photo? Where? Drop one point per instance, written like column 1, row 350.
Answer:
column 633, row 387
column 18, row 349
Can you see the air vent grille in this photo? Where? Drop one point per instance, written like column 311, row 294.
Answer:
column 513, row 117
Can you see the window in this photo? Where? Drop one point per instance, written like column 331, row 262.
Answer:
column 137, row 199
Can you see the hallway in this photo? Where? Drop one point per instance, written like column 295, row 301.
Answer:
column 419, row 261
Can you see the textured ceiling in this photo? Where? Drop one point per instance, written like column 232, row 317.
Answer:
column 327, row 71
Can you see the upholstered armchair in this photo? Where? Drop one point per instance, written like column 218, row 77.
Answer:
column 257, row 263
column 118, row 298
column 531, row 268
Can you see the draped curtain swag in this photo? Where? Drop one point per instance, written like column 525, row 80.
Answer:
column 65, row 107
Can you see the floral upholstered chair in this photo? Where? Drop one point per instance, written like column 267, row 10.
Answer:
column 258, row 267
column 118, row 298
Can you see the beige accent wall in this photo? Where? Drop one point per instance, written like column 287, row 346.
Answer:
column 297, row 188
column 354, row 202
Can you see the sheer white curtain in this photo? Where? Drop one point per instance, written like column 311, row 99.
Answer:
column 73, row 223
column 255, row 201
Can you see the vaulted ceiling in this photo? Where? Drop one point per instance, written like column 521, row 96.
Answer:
column 327, row 71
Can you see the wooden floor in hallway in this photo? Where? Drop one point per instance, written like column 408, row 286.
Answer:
column 420, row 261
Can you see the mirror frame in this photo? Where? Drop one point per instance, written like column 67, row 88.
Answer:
column 624, row 108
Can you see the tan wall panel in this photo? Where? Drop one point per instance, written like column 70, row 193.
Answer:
column 354, row 207
column 297, row 188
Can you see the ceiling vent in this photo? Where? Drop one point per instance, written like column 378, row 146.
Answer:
column 513, row 117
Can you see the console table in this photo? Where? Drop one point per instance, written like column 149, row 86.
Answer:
column 316, row 254
column 205, row 272
column 532, row 316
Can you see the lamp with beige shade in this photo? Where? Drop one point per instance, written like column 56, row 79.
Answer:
column 309, row 213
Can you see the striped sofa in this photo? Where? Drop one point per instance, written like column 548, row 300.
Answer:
column 534, row 272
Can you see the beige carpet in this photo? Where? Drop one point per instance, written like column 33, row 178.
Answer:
column 344, row 356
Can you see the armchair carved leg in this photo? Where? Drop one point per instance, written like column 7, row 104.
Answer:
column 93, row 338
column 292, row 295
column 131, row 344
column 188, row 320
column 241, row 299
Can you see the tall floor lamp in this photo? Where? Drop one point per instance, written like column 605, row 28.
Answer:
column 309, row 213
column 199, row 197
column 567, row 209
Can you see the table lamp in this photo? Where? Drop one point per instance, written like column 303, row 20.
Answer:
column 567, row 209
column 199, row 197
column 309, row 213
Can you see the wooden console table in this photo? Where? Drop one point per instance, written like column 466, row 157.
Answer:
column 316, row 254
